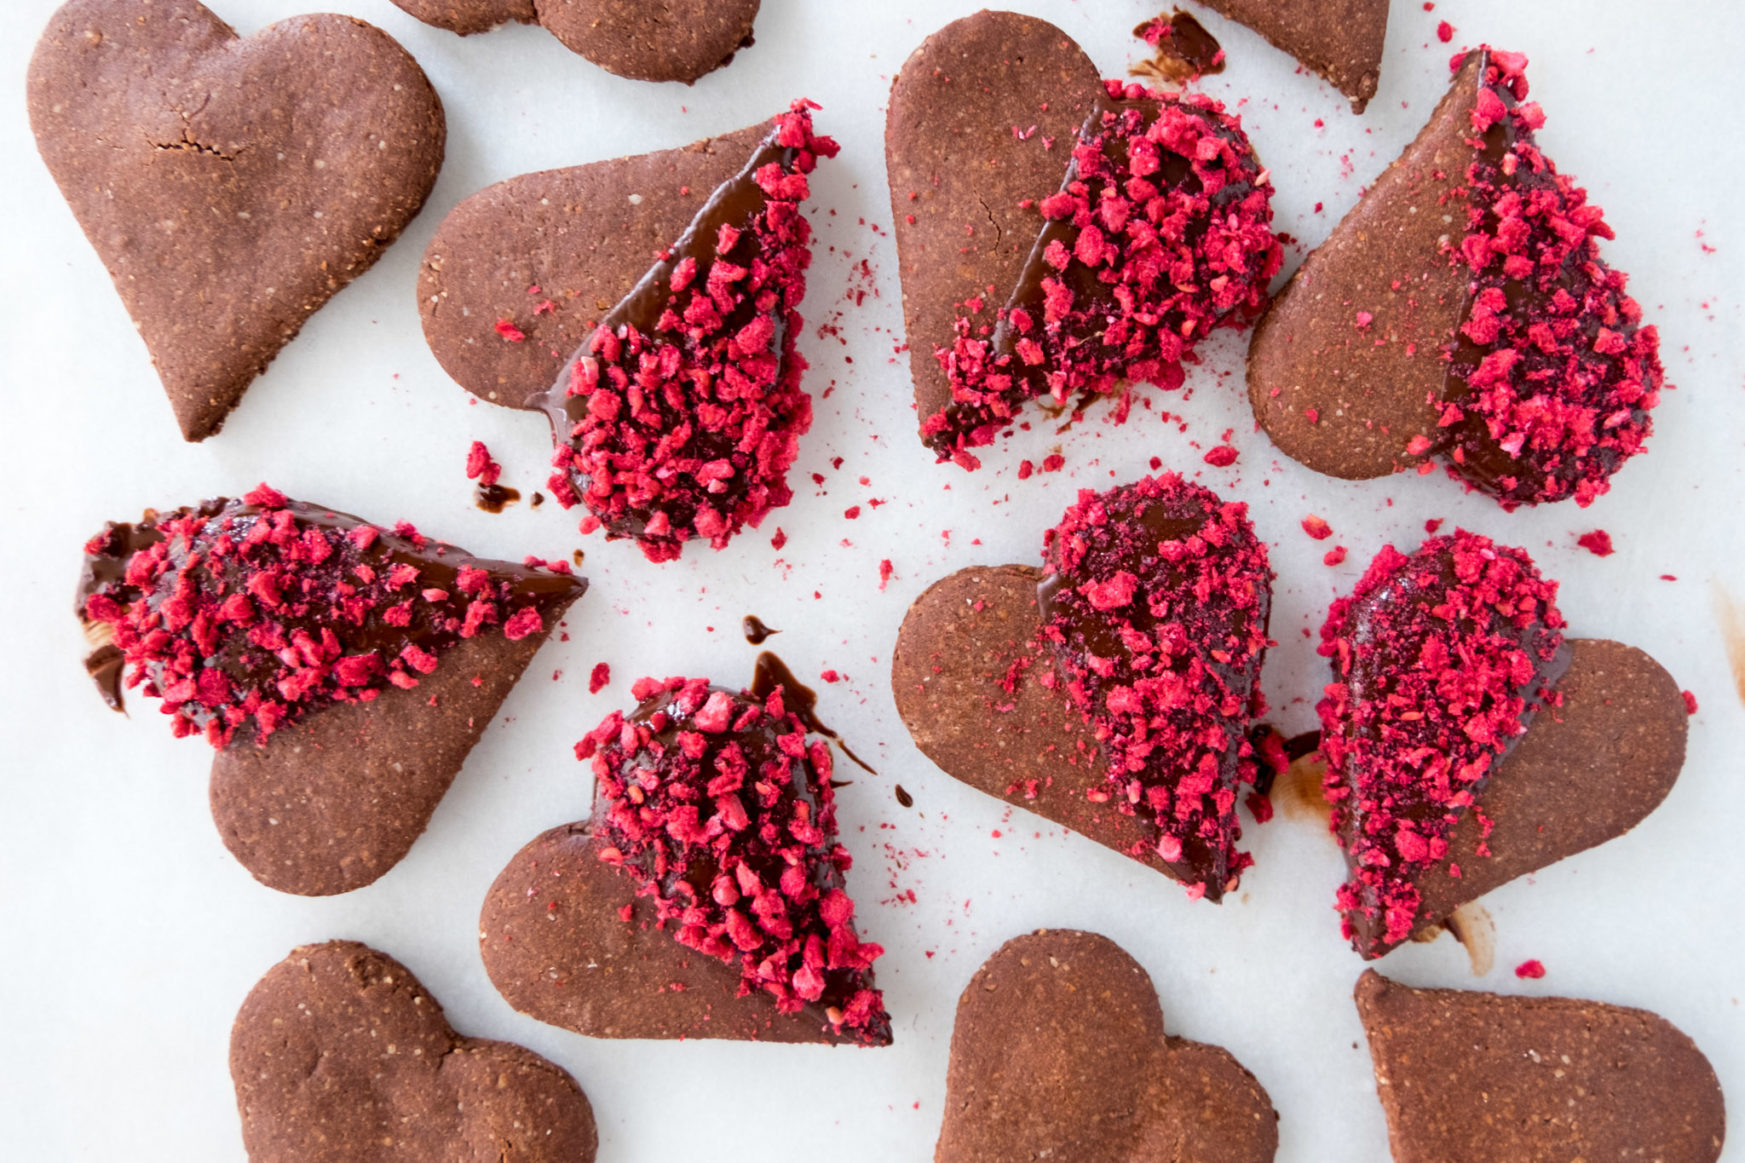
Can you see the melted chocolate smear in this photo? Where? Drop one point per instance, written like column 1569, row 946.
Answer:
column 578, row 557
column 104, row 665
column 904, row 798
column 537, row 500
column 800, row 700
column 495, row 498
column 756, row 632
column 1184, row 50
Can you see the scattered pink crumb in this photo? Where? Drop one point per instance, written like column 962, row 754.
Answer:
column 1364, row 319
column 779, row 540
column 852, row 512
column 1598, row 543
column 1222, row 456
column 831, row 676
column 1335, row 556
column 1445, row 32
column 1025, row 468
column 1317, row 527
column 1053, row 462
column 1534, row 969
column 599, row 678
column 480, row 466
column 885, row 571
column 509, row 331
column 1313, row 415
column 1432, row 525
column 1690, row 702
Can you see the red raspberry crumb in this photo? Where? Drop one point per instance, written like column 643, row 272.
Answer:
column 1222, row 456
column 1533, row 969
column 1598, row 543
column 602, row 674
column 481, row 467
column 509, row 331
column 1053, row 462
column 852, row 512
column 1334, row 556
column 1025, row 468
column 779, row 540
column 885, row 572
column 1444, row 32
column 1317, row 528
column 831, row 676
column 1690, row 703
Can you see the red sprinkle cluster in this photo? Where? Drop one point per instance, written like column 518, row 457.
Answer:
column 1156, row 608
column 1160, row 234
column 265, row 609
column 722, row 812
column 684, row 413
column 1439, row 660
column 1553, row 375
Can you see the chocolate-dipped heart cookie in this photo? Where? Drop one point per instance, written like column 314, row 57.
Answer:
column 1059, row 1053
column 681, row 410
column 1339, row 39
column 230, row 185
column 705, row 897
column 341, row 671
column 1125, row 225
column 1469, row 1077
column 645, row 40
column 1462, row 310
column 1468, row 742
column 1113, row 694
column 339, row 1055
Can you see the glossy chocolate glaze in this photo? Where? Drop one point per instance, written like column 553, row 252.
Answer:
column 801, row 700
column 495, row 498
column 756, row 632
column 248, row 667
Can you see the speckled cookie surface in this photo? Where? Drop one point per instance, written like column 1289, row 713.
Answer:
column 1059, row 1053
column 1341, row 40
column 1467, row 1077
column 339, row 1055
column 230, row 185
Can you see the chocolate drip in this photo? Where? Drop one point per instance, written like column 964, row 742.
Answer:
column 800, row 700
column 495, row 498
column 756, row 632
column 432, row 627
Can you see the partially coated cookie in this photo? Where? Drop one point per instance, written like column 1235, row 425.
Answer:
column 1462, row 311
column 1468, row 1077
column 341, row 671
column 679, row 412
column 230, row 185
column 645, row 40
column 1058, row 1052
column 339, row 1055
column 705, row 897
column 1114, row 694
column 1468, row 742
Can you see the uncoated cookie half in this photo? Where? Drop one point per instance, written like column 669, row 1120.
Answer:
column 231, row 185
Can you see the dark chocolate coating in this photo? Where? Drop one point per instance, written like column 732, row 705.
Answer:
column 1468, row 1077
column 1059, row 1053
column 339, row 1055
column 949, row 141
column 1308, row 352
column 585, row 236
column 645, row 40
column 230, row 186
column 956, row 647
column 1340, row 39
column 557, row 949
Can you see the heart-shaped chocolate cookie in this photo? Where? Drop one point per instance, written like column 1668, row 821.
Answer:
column 1469, row 743
column 1059, row 236
column 1341, row 40
column 339, row 1054
column 705, row 898
column 673, row 389
column 1059, row 1053
column 1113, row 695
column 1469, row 1077
column 645, row 40
column 230, row 185
column 341, row 671
column 1462, row 310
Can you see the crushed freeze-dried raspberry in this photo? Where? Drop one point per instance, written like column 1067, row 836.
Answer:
column 509, row 331
column 1598, row 543
column 1159, row 234
column 1334, row 556
column 480, row 466
column 885, row 571
column 1533, row 969
column 599, row 677
column 683, row 413
column 1317, row 527
column 1690, row 702
column 1444, row 32
column 1552, row 374
column 1223, row 456
column 1156, row 609
column 260, row 611
column 1440, row 660
column 719, row 809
